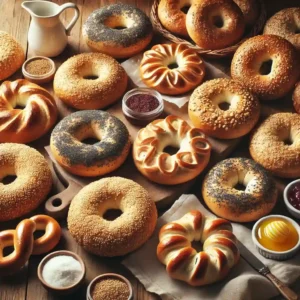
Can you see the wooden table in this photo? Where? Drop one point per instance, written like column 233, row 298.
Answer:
column 26, row 285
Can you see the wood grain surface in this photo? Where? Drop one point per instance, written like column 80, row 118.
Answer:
column 26, row 285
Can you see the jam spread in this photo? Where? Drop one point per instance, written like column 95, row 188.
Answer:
column 142, row 103
column 277, row 234
column 294, row 196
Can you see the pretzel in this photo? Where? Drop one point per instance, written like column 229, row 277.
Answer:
column 22, row 240
column 219, row 255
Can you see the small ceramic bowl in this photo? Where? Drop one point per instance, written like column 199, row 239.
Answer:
column 39, row 79
column 107, row 275
column 275, row 254
column 65, row 290
column 292, row 210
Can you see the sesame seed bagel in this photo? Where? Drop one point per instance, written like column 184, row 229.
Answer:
column 215, row 24
column 267, row 65
column 286, row 23
column 250, row 10
column 89, row 81
column 221, row 194
column 12, row 55
column 32, row 184
column 70, row 151
column 296, row 98
column 126, row 233
column 280, row 133
column 206, row 112
column 120, row 30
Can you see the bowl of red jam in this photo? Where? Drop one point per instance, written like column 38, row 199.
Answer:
column 142, row 105
column 291, row 196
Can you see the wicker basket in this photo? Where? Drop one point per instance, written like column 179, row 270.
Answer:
column 256, row 29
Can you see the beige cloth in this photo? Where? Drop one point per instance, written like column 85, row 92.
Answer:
column 243, row 282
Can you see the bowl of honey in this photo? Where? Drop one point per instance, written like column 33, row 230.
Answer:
column 276, row 237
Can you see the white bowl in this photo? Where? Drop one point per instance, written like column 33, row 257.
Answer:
column 292, row 210
column 276, row 255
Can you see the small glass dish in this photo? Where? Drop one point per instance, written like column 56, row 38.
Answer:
column 142, row 118
column 107, row 276
column 39, row 79
column 292, row 210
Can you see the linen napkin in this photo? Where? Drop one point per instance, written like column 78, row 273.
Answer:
column 242, row 283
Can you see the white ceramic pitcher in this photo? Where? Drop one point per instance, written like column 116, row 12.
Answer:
column 47, row 36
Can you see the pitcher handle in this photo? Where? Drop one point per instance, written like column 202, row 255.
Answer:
column 75, row 18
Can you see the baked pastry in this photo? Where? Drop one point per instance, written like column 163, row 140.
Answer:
column 152, row 160
column 223, row 108
column 158, row 73
column 89, row 81
column 296, row 98
column 12, row 55
column 279, row 133
column 286, row 23
column 267, row 65
column 32, row 184
column 250, row 10
column 220, row 252
column 70, row 151
column 87, row 221
column 38, row 112
column 120, row 30
column 240, row 190
column 215, row 24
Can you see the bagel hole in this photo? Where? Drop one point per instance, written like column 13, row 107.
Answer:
column 266, row 67
column 224, row 106
column 185, row 9
column 173, row 65
column 288, row 141
column 8, row 179
column 240, row 187
column 91, row 77
column 38, row 233
column 197, row 246
column 119, row 27
column 112, row 214
column 56, row 202
column 297, row 30
column 218, row 21
column 171, row 150
column 8, row 250
column 90, row 141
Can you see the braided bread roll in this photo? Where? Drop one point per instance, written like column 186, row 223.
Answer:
column 220, row 252
column 36, row 116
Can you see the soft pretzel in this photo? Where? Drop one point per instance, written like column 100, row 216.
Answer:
column 37, row 115
column 22, row 240
column 220, row 252
column 159, row 166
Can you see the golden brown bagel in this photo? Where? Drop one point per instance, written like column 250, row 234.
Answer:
column 286, row 23
column 156, row 72
column 215, row 24
column 206, row 112
column 37, row 115
column 161, row 167
column 221, row 194
column 32, row 184
column 220, row 252
column 251, row 66
column 250, row 10
column 90, row 81
column 275, row 144
column 12, row 55
column 296, row 98
column 91, row 230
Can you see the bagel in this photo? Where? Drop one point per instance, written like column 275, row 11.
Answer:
column 215, row 24
column 296, row 98
column 280, row 133
column 89, row 81
column 286, row 23
column 251, row 65
column 12, row 55
column 90, row 229
column 250, row 10
column 70, row 151
column 206, row 112
column 32, row 184
column 101, row 32
column 221, row 194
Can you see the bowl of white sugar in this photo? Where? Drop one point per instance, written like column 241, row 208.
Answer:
column 61, row 271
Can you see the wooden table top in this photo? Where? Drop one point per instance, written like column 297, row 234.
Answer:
column 16, row 20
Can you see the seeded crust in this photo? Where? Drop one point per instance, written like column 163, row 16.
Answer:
column 12, row 55
column 249, row 9
column 237, row 121
column 285, row 23
column 122, row 235
column 296, row 98
column 76, row 91
column 223, row 199
column 267, row 146
column 32, row 184
column 249, row 57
